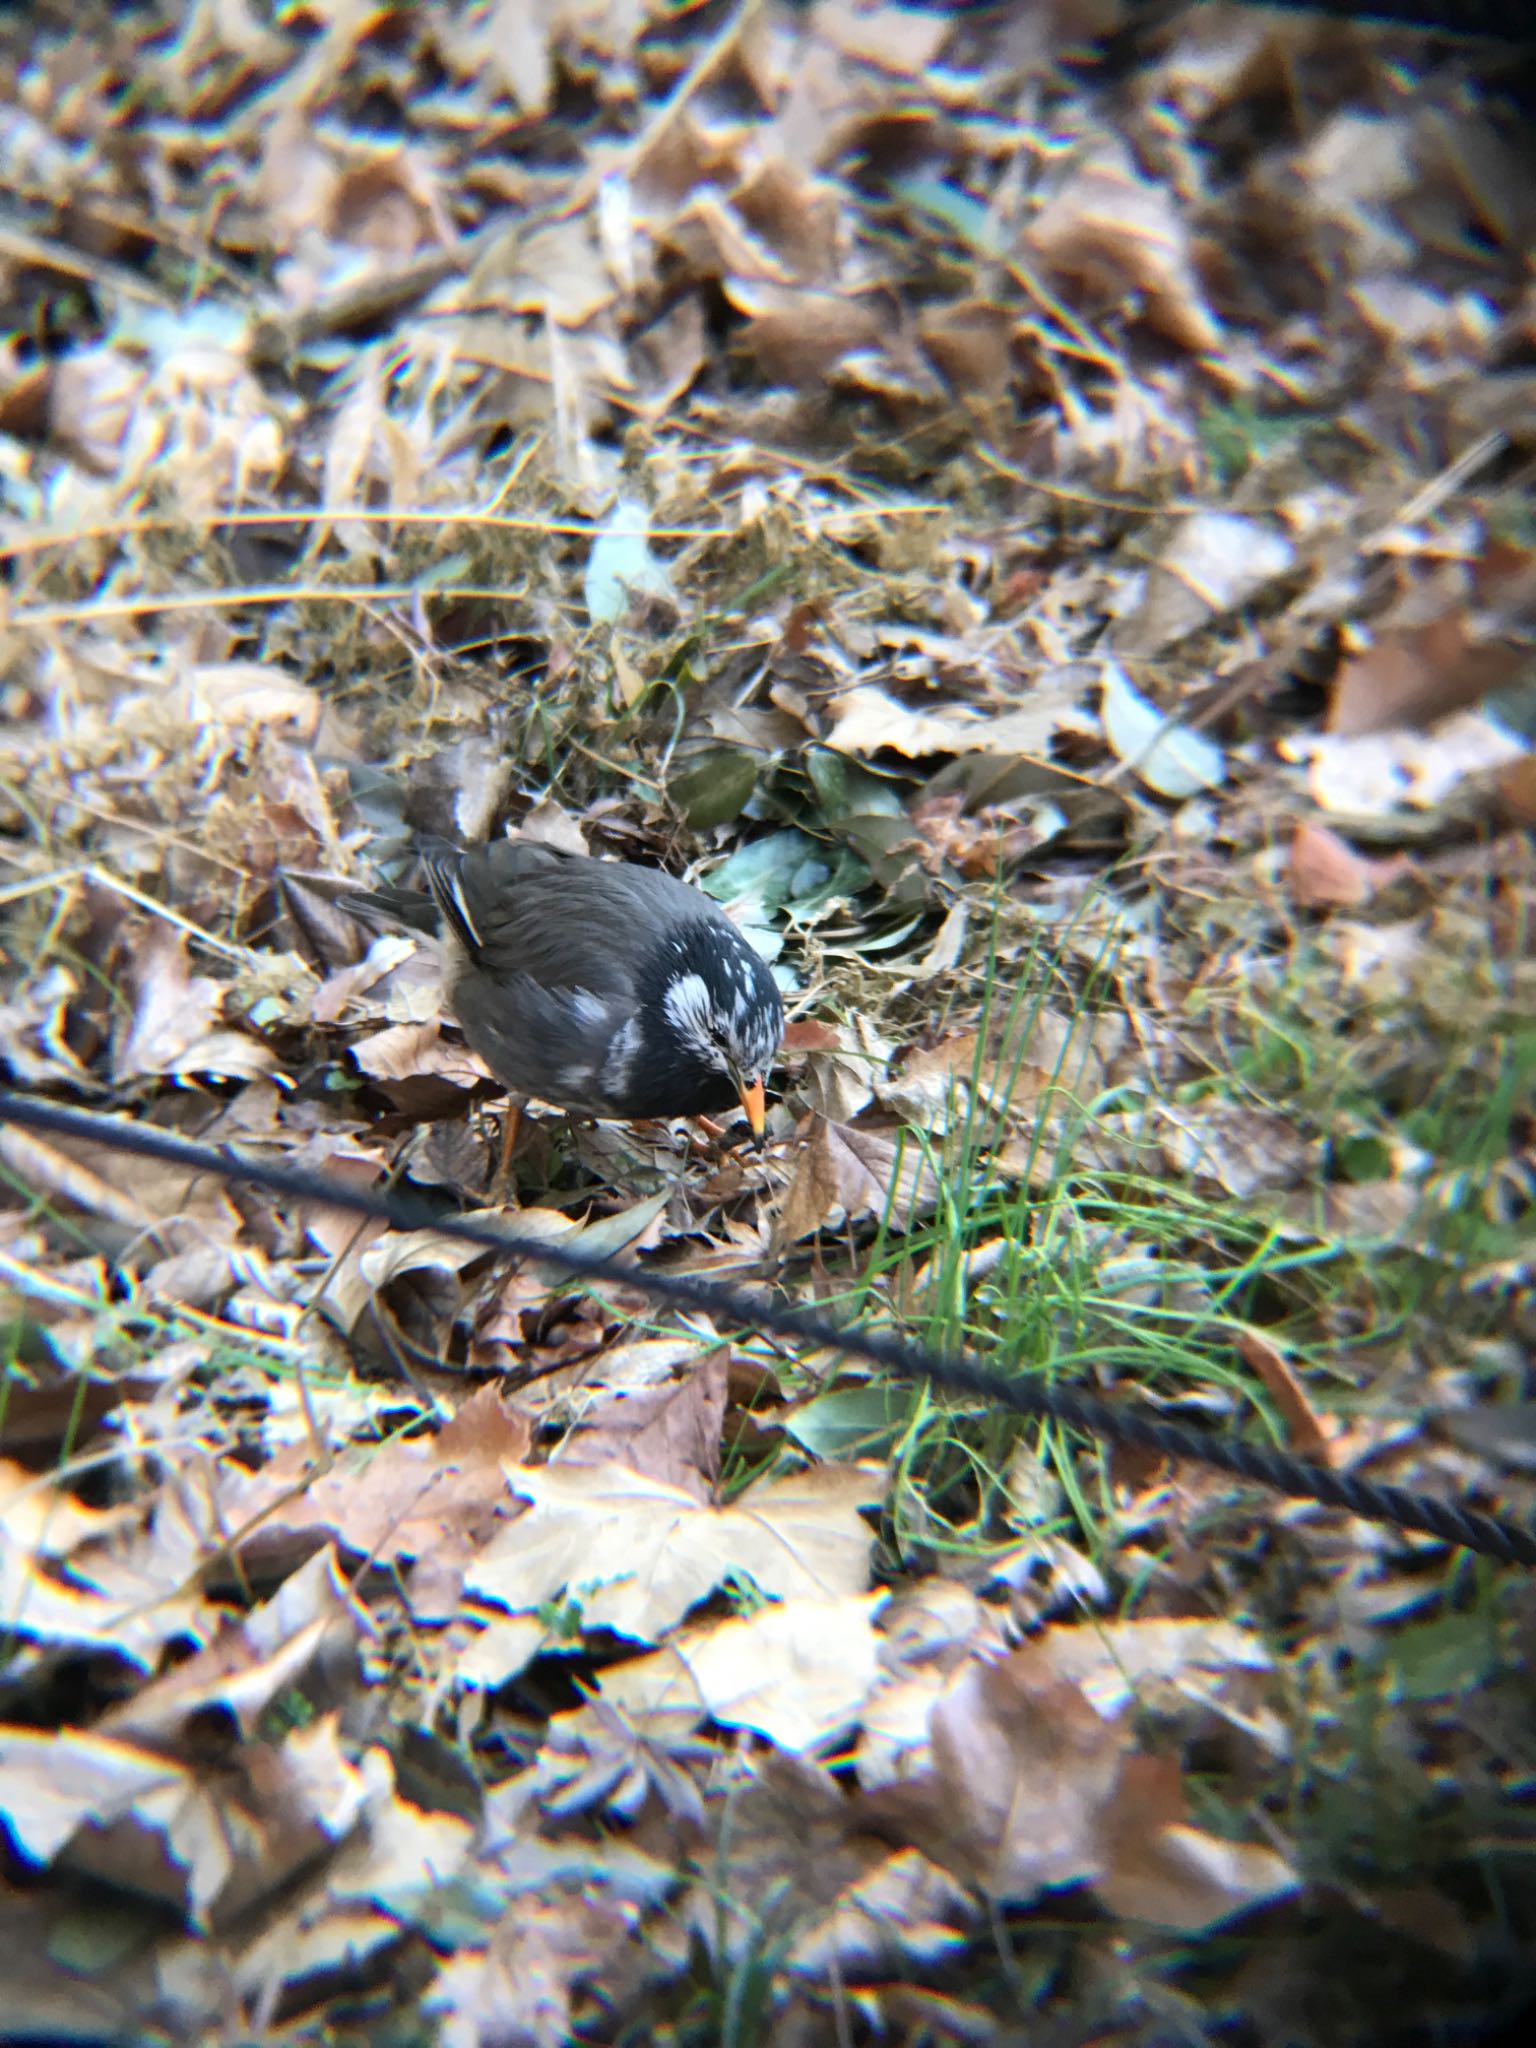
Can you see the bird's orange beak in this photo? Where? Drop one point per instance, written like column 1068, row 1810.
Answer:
column 751, row 1093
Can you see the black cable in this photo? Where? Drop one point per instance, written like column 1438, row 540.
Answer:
column 956, row 1373
column 1494, row 20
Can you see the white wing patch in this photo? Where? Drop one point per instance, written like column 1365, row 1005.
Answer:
column 621, row 1058
column 589, row 1008
column 456, row 891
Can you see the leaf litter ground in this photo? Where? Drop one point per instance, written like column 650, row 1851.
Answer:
column 1041, row 530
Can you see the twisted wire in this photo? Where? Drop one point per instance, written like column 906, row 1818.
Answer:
column 1116, row 1422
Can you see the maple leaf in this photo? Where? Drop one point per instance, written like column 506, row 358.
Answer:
column 637, row 1553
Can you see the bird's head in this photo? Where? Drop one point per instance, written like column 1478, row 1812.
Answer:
column 713, row 1019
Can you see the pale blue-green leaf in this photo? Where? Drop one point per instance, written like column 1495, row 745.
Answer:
column 965, row 217
column 162, row 331
column 621, row 565
column 851, row 1420
column 609, row 1235
column 1167, row 757
column 765, row 870
column 845, row 790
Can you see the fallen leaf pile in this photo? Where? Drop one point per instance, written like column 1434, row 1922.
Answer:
column 1029, row 506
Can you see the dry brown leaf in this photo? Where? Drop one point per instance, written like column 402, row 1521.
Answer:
column 558, row 270
column 409, row 1052
column 34, row 1019
column 49, row 1170
column 1516, row 782
column 1117, row 234
column 843, row 1173
column 208, row 1846
column 638, row 1554
column 1017, row 1773
column 1359, row 1213
column 1358, row 159
column 934, row 1624
column 668, row 356
column 1309, row 1434
column 1381, row 963
column 85, row 1610
column 947, row 944
column 660, row 1684
column 93, row 396
column 311, row 1621
column 1161, row 1664
column 296, row 176
column 971, row 342
column 1054, row 1058
column 670, row 1433
column 172, row 1009
column 437, row 1500
column 905, row 40
column 246, row 696
column 1418, row 675
column 1023, row 1770
column 516, row 41
column 504, row 1645
column 797, row 215
column 520, row 1987
column 548, row 824
column 799, row 336
column 386, row 206
column 795, row 1860
column 604, row 1755
column 867, row 719
column 38, row 1519
column 809, row 1034
column 395, row 1858
column 1160, row 1869
column 841, row 1067
column 1212, row 563
column 1325, row 872
column 1242, row 1150
column 797, row 1671
column 720, row 243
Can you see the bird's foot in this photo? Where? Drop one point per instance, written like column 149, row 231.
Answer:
column 504, row 1186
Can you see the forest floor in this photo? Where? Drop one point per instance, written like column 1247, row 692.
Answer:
column 1034, row 516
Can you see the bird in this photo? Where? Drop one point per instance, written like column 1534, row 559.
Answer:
column 604, row 987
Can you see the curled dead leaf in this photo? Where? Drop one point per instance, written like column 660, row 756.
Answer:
column 1327, row 873
column 1414, row 676
column 1309, row 1434
column 1160, row 1869
column 1372, row 774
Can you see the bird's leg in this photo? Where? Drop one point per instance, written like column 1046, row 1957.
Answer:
column 504, row 1187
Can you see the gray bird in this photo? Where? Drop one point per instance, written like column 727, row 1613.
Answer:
column 597, row 985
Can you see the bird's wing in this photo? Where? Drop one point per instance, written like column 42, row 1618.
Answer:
column 564, row 920
column 567, row 1046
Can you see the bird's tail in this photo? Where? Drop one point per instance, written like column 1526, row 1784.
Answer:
column 413, row 908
